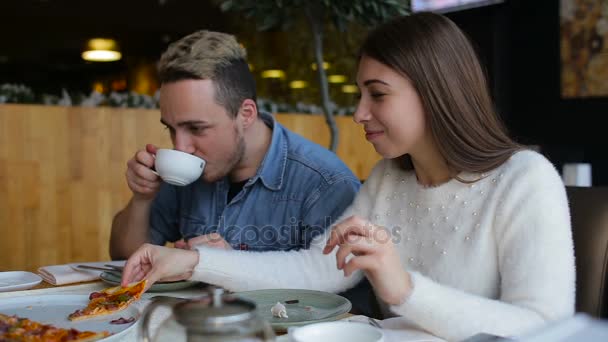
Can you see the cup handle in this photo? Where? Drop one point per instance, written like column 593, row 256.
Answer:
column 144, row 327
column 152, row 168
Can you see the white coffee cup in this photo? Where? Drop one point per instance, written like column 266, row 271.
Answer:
column 336, row 331
column 178, row 168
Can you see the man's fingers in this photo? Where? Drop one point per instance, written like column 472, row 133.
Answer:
column 151, row 149
column 145, row 172
column 211, row 240
column 181, row 244
column 145, row 158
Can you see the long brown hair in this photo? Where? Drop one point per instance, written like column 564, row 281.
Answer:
column 436, row 56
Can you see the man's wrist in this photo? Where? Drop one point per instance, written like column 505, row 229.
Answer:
column 140, row 200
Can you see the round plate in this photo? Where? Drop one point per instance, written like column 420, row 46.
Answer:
column 311, row 306
column 18, row 280
column 54, row 309
column 114, row 279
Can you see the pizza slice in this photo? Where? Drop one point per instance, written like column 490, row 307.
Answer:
column 13, row 328
column 109, row 301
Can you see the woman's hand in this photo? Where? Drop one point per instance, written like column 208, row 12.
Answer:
column 156, row 263
column 374, row 253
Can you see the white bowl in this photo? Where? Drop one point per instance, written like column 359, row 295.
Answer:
column 336, row 331
column 178, row 168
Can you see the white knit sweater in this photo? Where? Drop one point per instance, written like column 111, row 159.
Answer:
column 494, row 256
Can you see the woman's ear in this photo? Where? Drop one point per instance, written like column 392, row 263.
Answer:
column 248, row 112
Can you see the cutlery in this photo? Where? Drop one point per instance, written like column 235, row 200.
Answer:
column 116, row 267
column 87, row 267
column 374, row 323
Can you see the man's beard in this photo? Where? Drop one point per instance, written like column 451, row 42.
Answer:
column 232, row 162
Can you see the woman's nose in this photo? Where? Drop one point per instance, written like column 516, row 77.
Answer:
column 362, row 114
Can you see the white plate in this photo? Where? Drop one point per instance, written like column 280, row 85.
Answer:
column 54, row 309
column 18, row 280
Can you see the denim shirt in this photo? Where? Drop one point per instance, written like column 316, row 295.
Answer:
column 299, row 190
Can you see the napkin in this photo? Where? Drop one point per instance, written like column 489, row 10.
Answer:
column 70, row 273
column 397, row 329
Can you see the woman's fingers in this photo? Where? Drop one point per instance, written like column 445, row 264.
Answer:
column 137, row 263
column 356, row 245
column 341, row 255
column 353, row 225
column 362, row 262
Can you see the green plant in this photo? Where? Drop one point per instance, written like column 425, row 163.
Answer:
column 270, row 14
column 16, row 93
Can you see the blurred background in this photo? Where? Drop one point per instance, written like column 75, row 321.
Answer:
column 546, row 60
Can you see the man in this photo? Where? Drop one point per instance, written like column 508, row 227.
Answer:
column 263, row 187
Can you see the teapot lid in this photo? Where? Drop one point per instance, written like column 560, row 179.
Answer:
column 215, row 309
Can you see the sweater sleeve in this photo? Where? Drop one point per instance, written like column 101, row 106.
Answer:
column 303, row 269
column 535, row 260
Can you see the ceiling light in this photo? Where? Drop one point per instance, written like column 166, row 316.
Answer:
column 273, row 73
column 336, row 78
column 101, row 50
column 325, row 66
column 350, row 89
column 298, row 84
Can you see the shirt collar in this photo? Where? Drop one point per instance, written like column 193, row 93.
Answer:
column 272, row 169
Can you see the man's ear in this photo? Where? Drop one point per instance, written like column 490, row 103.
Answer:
column 248, row 112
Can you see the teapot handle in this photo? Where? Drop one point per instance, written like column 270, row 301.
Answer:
column 161, row 300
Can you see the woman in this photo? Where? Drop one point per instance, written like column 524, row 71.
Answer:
column 459, row 229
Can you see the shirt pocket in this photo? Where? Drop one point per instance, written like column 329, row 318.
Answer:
column 190, row 226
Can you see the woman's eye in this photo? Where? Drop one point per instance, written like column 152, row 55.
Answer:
column 377, row 95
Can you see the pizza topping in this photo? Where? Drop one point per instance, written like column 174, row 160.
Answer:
column 123, row 297
column 13, row 328
column 123, row 320
column 96, row 295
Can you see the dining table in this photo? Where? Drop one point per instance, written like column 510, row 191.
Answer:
column 160, row 314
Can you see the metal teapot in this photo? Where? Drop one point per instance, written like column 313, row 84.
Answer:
column 214, row 317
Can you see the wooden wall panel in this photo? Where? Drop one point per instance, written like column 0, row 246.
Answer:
column 62, row 175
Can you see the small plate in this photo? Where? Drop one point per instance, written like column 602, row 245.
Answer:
column 18, row 280
column 312, row 306
column 113, row 278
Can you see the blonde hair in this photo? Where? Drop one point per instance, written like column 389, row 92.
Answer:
column 211, row 55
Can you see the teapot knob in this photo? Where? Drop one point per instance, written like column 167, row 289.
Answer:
column 218, row 292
